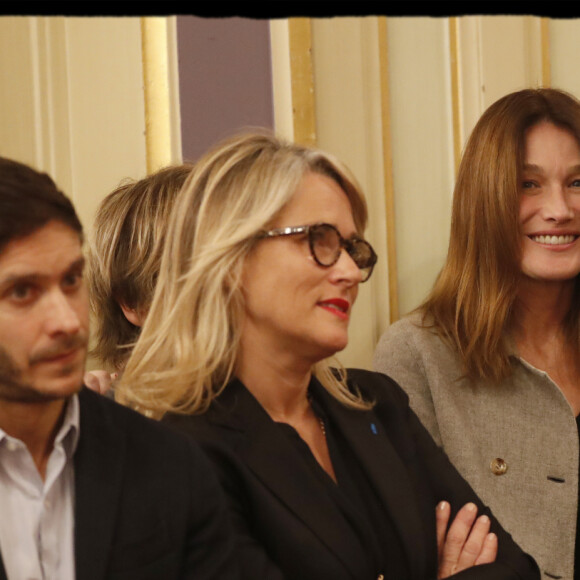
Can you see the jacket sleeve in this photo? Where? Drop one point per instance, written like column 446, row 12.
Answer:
column 209, row 525
column 398, row 356
column 253, row 559
column 429, row 466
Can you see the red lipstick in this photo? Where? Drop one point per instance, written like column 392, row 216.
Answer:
column 338, row 306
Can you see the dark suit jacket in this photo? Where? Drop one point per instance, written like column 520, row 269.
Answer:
column 288, row 527
column 147, row 503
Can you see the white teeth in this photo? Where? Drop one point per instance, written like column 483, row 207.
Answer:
column 334, row 306
column 553, row 240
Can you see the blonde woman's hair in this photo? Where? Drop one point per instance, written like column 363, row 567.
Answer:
column 129, row 231
column 471, row 303
column 189, row 344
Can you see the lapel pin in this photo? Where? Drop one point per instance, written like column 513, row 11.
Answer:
column 374, row 428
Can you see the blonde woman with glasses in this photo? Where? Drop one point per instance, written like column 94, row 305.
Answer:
column 327, row 471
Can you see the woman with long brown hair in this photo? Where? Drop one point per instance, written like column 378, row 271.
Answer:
column 491, row 360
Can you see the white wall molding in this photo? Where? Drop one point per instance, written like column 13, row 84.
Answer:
column 282, row 78
column 497, row 55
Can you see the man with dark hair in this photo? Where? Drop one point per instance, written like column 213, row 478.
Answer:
column 29, row 200
column 88, row 488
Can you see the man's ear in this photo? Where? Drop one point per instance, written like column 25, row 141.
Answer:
column 132, row 315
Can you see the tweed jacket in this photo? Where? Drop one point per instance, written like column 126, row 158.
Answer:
column 286, row 523
column 515, row 442
column 147, row 504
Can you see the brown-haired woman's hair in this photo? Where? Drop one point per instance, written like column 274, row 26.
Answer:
column 188, row 348
column 129, row 230
column 471, row 303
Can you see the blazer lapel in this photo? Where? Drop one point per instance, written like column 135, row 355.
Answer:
column 276, row 462
column 385, row 471
column 98, row 482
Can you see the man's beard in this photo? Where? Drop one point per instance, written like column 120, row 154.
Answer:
column 14, row 388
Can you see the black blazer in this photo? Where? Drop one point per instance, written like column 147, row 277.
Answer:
column 147, row 503
column 287, row 526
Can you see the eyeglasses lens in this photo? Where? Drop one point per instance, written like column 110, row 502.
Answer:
column 362, row 255
column 325, row 242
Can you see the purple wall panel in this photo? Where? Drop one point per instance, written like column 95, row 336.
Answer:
column 225, row 79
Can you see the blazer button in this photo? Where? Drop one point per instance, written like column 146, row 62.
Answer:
column 498, row 466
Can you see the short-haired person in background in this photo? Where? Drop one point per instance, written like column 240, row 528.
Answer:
column 491, row 361
column 88, row 489
column 129, row 232
column 328, row 472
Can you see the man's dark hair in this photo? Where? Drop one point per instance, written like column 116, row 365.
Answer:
column 29, row 200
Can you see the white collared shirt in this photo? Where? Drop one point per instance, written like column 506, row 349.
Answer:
column 37, row 517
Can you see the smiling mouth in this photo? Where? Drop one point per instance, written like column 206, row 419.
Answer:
column 554, row 240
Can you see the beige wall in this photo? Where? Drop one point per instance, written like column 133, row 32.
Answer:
column 442, row 75
column 72, row 102
column 348, row 124
column 490, row 56
column 564, row 50
column 421, row 121
column 414, row 86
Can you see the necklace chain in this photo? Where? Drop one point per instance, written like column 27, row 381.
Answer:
column 320, row 419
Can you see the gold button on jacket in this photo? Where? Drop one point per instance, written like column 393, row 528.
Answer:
column 498, row 466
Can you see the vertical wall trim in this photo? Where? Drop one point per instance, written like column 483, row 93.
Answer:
column 59, row 157
column 35, row 51
column 388, row 170
column 546, row 62
column 174, row 95
column 158, row 142
column 303, row 99
column 281, row 78
column 455, row 80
